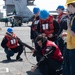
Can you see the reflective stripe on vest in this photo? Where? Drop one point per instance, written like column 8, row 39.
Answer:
column 47, row 26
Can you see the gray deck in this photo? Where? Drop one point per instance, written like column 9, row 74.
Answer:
column 16, row 67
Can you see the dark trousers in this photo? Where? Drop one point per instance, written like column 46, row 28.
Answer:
column 61, row 44
column 50, row 67
column 69, row 62
column 12, row 24
column 39, row 50
column 6, row 23
column 11, row 52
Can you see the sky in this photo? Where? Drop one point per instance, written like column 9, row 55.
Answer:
column 42, row 4
column 49, row 4
column 1, row 3
column 1, row 7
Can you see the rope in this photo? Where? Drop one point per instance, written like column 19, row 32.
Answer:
column 27, row 57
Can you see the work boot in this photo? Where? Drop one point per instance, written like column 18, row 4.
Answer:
column 19, row 59
column 8, row 58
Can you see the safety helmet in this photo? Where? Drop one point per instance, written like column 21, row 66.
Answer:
column 44, row 14
column 36, row 10
column 69, row 1
column 10, row 30
column 60, row 7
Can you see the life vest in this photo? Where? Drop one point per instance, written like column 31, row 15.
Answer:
column 12, row 41
column 57, row 55
column 46, row 26
column 61, row 16
column 70, row 39
column 35, row 23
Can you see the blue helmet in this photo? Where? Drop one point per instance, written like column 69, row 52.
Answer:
column 36, row 10
column 9, row 30
column 44, row 14
column 60, row 7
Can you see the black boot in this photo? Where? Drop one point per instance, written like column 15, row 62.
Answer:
column 8, row 57
column 19, row 59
